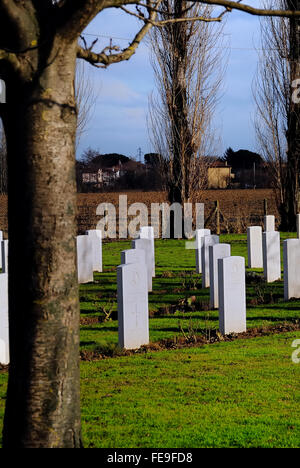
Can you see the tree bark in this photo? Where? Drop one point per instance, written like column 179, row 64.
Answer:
column 43, row 399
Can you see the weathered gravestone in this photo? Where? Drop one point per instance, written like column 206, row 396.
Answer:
column 147, row 232
column 200, row 233
column 216, row 252
column 4, row 255
column 133, row 315
column 271, row 256
column 4, row 328
column 291, row 259
column 269, row 222
column 205, row 243
column 145, row 244
column 298, row 226
column 232, row 295
column 255, row 251
column 96, row 239
column 85, row 259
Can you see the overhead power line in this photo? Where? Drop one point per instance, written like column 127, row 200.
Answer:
column 129, row 40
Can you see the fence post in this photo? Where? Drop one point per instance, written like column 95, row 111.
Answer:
column 217, row 203
column 265, row 207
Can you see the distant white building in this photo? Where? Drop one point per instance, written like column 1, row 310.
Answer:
column 103, row 177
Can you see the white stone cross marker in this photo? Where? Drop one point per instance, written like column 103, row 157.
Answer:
column 133, row 314
column 147, row 232
column 206, row 241
column 232, row 295
column 4, row 328
column 96, row 238
column 216, row 252
column 146, row 245
column 269, row 222
column 291, row 259
column 200, row 233
column 255, row 251
column 271, row 256
column 85, row 259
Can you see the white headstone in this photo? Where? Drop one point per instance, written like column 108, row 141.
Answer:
column 134, row 256
column 232, row 295
column 255, row 251
column 291, row 260
column 269, row 223
column 133, row 314
column 216, row 252
column 96, row 238
column 146, row 245
column 206, row 241
column 199, row 234
column 85, row 259
column 4, row 255
column 298, row 226
column 147, row 232
column 4, row 328
column 271, row 256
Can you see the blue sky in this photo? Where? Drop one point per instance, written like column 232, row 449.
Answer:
column 119, row 116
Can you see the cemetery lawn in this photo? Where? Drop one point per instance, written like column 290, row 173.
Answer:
column 242, row 393
column 229, row 394
column 178, row 305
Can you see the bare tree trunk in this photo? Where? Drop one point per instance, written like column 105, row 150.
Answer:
column 3, row 161
column 292, row 199
column 43, row 389
column 278, row 124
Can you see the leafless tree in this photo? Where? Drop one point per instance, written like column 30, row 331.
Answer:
column 85, row 97
column 188, row 63
column 277, row 117
column 271, row 93
column 39, row 45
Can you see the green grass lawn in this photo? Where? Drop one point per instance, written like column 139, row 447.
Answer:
column 231, row 394
column 175, row 285
column 243, row 393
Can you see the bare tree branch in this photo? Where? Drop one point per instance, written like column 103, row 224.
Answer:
column 75, row 15
column 103, row 60
column 249, row 9
column 163, row 23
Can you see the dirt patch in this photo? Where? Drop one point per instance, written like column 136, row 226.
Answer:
column 3, row 369
column 90, row 320
column 180, row 342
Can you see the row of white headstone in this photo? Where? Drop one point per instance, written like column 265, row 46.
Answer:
column 4, row 328
column 134, row 281
column 89, row 259
column 225, row 276
column 264, row 252
column 89, row 255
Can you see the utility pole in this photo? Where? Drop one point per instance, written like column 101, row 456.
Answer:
column 139, row 155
